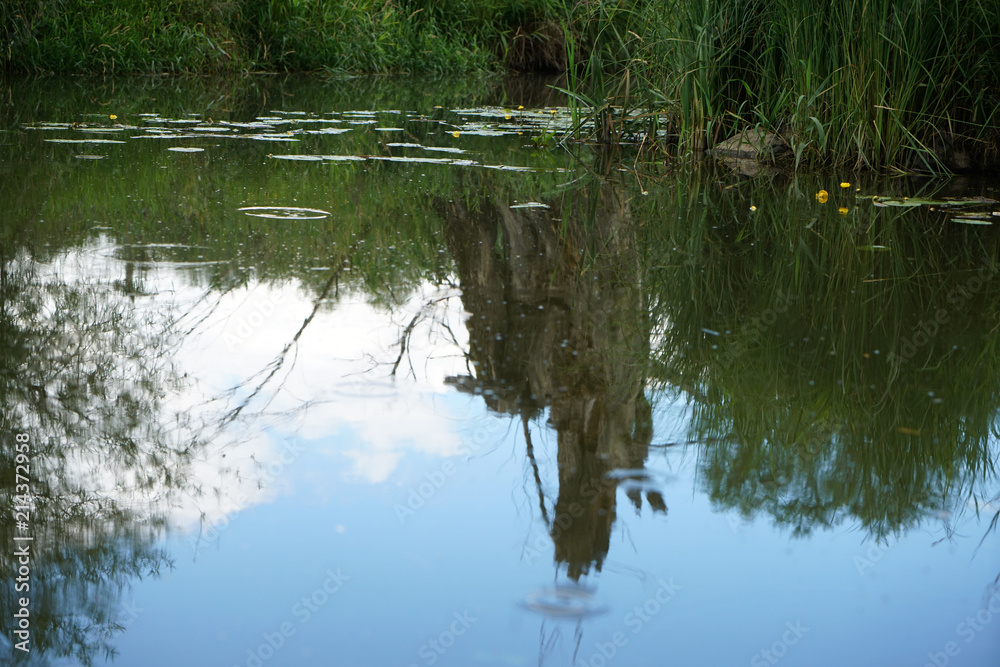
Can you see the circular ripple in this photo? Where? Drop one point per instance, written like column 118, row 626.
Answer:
column 285, row 212
column 563, row 602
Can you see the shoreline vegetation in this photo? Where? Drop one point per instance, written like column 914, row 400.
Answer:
column 887, row 85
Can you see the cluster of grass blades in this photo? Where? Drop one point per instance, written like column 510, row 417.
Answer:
column 871, row 84
column 201, row 36
column 882, row 84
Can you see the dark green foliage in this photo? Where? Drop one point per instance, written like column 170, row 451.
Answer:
column 197, row 36
column 904, row 84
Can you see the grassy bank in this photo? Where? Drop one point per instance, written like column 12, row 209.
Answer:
column 872, row 83
column 905, row 84
column 198, row 36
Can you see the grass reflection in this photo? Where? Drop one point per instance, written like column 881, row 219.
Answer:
column 827, row 381
column 839, row 356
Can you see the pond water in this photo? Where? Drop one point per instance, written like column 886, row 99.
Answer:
column 376, row 372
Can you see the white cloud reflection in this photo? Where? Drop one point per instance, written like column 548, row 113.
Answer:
column 333, row 392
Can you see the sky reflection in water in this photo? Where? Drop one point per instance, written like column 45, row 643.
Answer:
column 518, row 425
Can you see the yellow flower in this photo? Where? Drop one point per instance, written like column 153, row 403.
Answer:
column 842, row 210
column 506, row 116
column 753, row 208
column 822, row 196
column 552, row 111
column 845, row 184
column 520, row 108
column 455, row 133
column 113, row 117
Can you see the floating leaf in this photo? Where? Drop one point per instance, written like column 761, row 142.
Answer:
column 285, row 212
column 84, row 141
column 917, row 201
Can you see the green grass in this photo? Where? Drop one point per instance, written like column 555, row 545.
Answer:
column 198, row 36
column 865, row 83
column 877, row 84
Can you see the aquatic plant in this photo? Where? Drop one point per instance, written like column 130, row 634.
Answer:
column 872, row 84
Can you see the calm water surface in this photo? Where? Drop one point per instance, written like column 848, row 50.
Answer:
column 372, row 372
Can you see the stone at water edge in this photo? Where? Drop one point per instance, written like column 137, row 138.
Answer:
column 751, row 144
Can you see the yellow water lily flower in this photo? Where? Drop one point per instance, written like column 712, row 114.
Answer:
column 520, row 108
column 455, row 133
column 845, row 184
column 753, row 208
column 822, row 196
column 506, row 116
column 842, row 210
column 112, row 117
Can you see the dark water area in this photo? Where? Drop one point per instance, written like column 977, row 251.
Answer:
column 297, row 371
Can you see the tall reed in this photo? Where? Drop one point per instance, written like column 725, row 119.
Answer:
column 866, row 83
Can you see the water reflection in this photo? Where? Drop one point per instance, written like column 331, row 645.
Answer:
column 555, row 323
column 816, row 405
column 85, row 376
column 173, row 340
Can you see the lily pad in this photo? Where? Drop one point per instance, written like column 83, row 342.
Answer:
column 285, row 212
column 918, row 201
column 84, row 141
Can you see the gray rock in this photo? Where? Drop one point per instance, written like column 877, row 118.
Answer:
column 751, row 144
